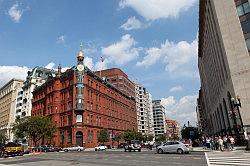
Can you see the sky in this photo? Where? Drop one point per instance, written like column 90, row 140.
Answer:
column 154, row 42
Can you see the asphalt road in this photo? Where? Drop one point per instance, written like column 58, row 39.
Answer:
column 108, row 158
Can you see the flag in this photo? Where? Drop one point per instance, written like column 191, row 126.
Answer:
column 102, row 59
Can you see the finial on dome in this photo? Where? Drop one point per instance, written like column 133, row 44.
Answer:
column 81, row 47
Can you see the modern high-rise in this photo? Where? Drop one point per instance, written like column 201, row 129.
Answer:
column 224, row 65
column 159, row 118
column 35, row 78
column 144, row 110
column 10, row 99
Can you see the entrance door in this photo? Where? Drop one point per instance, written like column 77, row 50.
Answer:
column 79, row 138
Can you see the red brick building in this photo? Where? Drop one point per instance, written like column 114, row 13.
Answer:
column 119, row 79
column 81, row 104
column 173, row 128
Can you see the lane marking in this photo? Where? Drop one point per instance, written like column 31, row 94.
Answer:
column 207, row 159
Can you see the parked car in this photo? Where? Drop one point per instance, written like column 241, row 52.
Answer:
column 12, row 149
column 46, row 148
column 74, row 148
column 133, row 145
column 121, row 145
column 101, row 147
column 172, row 147
column 56, row 148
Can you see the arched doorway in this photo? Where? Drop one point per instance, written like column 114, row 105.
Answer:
column 79, row 138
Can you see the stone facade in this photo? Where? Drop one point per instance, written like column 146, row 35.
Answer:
column 8, row 105
column 144, row 110
column 159, row 118
column 35, row 77
column 224, row 65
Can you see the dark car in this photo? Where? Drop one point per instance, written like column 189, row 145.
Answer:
column 56, row 148
column 133, row 145
column 122, row 145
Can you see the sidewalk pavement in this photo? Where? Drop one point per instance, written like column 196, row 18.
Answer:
column 201, row 149
column 114, row 149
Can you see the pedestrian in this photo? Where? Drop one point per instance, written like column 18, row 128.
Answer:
column 232, row 142
column 216, row 143
column 208, row 143
column 225, row 141
column 229, row 143
column 220, row 142
column 212, row 143
column 204, row 142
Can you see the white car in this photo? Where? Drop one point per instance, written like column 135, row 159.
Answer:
column 74, row 148
column 100, row 147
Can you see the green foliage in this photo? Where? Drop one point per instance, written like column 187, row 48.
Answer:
column 103, row 136
column 185, row 133
column 161, row 138
column 132, row 135
column 118, row 137
column 3, row 138
column 148, row 138
column 35, row 128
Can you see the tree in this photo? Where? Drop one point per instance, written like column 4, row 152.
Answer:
column 35, row 128
column 3, row 138
column 132, row 135
column 103, row 136
column 190, row 133
column 150, row 137
column 161, row 138
column 118, row 137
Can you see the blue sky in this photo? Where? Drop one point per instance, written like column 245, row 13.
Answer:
column 154, row 42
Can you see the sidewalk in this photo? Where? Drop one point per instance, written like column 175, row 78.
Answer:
column 118, row 150
column 200, row 149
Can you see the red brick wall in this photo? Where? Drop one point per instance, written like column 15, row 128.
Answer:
column 104, row 107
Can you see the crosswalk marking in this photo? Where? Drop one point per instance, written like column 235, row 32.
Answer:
column 217, row 158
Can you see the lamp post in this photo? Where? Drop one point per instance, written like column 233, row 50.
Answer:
column 236, row 103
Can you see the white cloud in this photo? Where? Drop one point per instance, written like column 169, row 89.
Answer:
column 16, row 12
column 61, row 39
column 101, row 65
column 182, row 110
column 51, row 65
column 180, row 58
column 152, row 56
column 133, row 23
column 9, row 72
column 122, row 51
column 156, row 9
column 176, row 88
column 89, row 63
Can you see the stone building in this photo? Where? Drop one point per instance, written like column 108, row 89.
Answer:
column 144, row 110
column 159, row 118
column 224, row 65
column 35, row 77
column 10, row 101
column 80, row 104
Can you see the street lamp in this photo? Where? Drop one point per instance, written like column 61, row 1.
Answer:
column 236, row 104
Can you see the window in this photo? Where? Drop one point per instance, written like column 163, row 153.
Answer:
column 246, row 7
column 78, row 118
column 240, row 10
column 243, row 9
column 245, row 26
column 248, row 43
column 69, row 120
column 69, row 136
